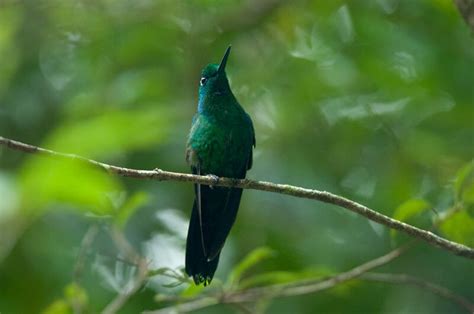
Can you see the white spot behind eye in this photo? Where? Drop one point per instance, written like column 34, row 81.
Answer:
column 203, row 81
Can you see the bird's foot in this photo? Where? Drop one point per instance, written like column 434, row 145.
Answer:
column 214, row 178
column 157, row 174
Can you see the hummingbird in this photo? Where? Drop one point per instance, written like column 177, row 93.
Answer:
column 220, row 144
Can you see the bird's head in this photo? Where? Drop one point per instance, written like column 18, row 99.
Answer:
column 213, row 78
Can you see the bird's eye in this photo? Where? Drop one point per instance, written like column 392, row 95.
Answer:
column 203, row 81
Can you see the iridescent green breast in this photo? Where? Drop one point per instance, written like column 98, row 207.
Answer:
column 222, row 148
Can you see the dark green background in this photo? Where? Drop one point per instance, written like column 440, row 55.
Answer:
column 372, row 100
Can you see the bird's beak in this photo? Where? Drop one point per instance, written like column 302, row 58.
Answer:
column 221, row 68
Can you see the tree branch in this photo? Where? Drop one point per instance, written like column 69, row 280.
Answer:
column 86, row 243
column 466, row 8
column 280, row 290
column 317, row 285
column 323, row 196
column 426, row 285
column 133, row 257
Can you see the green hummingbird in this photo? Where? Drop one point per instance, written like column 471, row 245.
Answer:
column 220, row 144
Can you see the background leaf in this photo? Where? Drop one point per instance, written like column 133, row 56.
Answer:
column 411, row 212
column 46, row 182
column 127, row 209
column 464, row 184
column 252, row 259
column 460, row 228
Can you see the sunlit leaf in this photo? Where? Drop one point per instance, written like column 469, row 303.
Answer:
column 410, row 208
column 276, row 277
column 47, row 181
column 464, row 184
column 306, row 276
column 252, row 259
column 459, row 228
column 111, row 133
column 129, row 207
column 76, row 295
column 192, row 290
column 58, row 307
column 410, row 211
column 75, row 298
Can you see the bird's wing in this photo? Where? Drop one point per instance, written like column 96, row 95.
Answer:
column 219, row 209
column 220, row 206
column 254, row 143
column 216, row 211
column 223, row 222
column 197, row 170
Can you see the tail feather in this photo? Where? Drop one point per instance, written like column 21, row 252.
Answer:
column 218, row 212
column 224, row 222
column 197, row 264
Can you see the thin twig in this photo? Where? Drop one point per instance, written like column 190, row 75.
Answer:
column 423, row 284
column 194, row 305
column 242, row 308
column 323, row 196
column 317, row 285
column 133, row 257
column 86, row 243
column 466, row 9
column 282, row 290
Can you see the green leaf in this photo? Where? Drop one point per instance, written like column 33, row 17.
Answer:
column 58, row 307
column 410, row 208
column 460, row 228
column 75, row 297
column 192, row 290
column 312, row 274
column 272, row 277
column 278, row 277
column 464, row 184
column 48, row 181
column 253, row 258
column 129, row 207
column 110, row 133
column 410, row 211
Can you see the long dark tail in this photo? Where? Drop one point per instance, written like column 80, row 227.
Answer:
column 219, row 208
column 197, row 265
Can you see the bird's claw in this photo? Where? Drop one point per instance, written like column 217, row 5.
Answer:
column 214, row 178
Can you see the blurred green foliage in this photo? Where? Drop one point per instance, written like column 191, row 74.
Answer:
column 373, row 100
